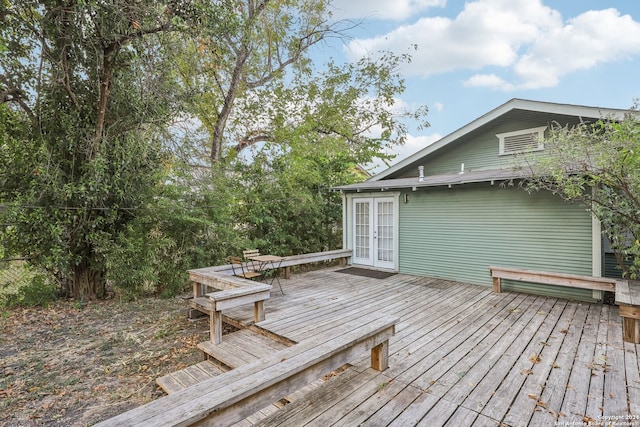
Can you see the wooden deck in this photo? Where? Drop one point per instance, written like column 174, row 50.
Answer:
column 462, row 356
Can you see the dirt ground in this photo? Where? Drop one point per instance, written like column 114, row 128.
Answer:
column 75, row 365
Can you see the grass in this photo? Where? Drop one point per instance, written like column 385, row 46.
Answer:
column 63, row 365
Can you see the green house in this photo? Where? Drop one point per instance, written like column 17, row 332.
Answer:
column 454, row 208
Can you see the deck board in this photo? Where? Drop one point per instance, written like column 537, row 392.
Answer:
column 462, row 355
column 500, row 401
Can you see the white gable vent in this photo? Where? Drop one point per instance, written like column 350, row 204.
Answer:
column 522, row 141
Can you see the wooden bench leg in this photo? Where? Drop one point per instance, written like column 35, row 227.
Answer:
column 380, row 356
column 630, row 323
column 216, row 327
column 497, row 285
column 287, row 272
column 198, row 290
column 258, row 311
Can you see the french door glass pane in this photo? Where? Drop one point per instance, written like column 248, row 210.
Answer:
column 362, row 235
column 385, row 231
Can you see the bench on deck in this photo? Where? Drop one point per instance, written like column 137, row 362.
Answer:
column 627, row 293
column 230, row 292
column 289, row 261
column 628, row 300
column 549, row 278
column 200, row 274
column 236, row 394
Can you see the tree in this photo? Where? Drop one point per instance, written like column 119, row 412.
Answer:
column 315, row 132
column 227, row 74
column 90, row 92
column 598, row 164
column 83, row 94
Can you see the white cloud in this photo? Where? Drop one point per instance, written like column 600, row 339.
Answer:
column 396, row 10
column 525, row 38
column 587, row 40
column 488, row 80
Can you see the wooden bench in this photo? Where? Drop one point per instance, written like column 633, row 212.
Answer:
column 628, row 300
column 549, row 278
column 289, row 261
column 229, row 292
column 235, row 395
column 627, row 292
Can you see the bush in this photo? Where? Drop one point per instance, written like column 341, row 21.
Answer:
column 36, row 292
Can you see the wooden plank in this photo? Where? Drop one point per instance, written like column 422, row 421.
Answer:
column 281, row 379
column 379, row 302
column 318, row 315
column 595, row 392
column 215, row 326
column 393, row 407
column 478, row 354
column 432, row 318
column 463, row 417
column 453, row 344
column 253, row 343
column 583, row 368
column 632, row 365
column 288, row 369
column 550, row 278
column 169, row 384
column 631, row 312
column 331, row 392
column 231, row 298
column 327, row 323
column 362, row 391
column 385, row 392
column 525, row 402
column 500, row 401
column 436, row 314
column 416, row 411
column 559, row 365
column 479, row 382
column 628, row 292
column 222, row 353
column 615, row 394
column 438, row 414
column 291, row 260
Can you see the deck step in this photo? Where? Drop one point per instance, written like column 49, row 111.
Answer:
column 189, row 376
column 240, row 348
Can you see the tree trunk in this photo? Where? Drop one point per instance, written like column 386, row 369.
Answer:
column 227, row 107
column 85, row 284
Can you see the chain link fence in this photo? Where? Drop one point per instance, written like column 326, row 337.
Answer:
column 15, row 274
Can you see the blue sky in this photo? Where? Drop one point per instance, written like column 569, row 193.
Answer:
column 474, row 55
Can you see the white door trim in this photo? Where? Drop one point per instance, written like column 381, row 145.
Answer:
column 369, row 246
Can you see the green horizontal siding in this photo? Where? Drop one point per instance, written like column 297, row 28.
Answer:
column 458, row 233
column 479, row 150
column 611, row 267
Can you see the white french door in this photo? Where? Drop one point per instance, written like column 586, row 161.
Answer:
column 373, row 232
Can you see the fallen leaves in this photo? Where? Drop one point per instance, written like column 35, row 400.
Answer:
column 540, row 405
column 6, row 392
column 76, row 364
